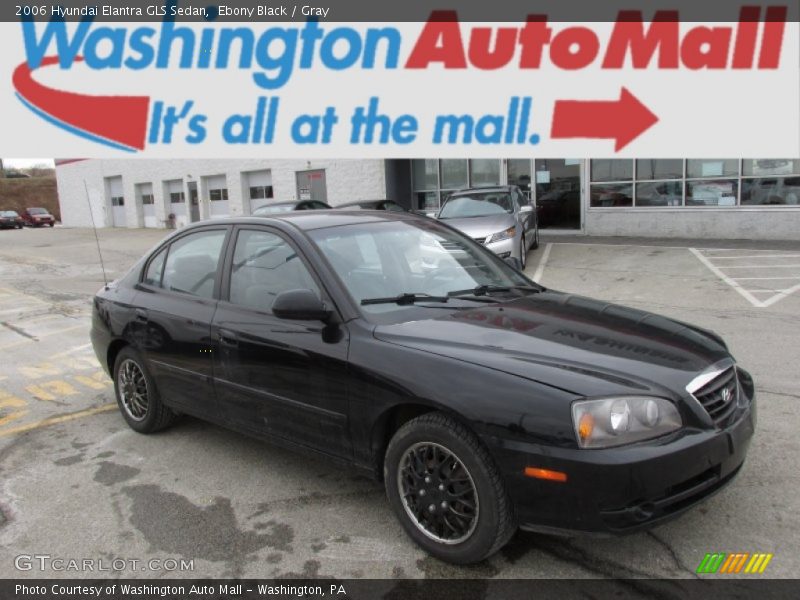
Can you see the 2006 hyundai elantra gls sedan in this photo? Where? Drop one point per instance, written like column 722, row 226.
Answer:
column 484, row 401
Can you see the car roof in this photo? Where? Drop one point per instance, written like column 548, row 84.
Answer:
column 360, row 202
column 307, row 220
column 493, row 188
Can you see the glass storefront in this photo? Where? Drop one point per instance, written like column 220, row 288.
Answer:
column 718, row 182
column 614, row 184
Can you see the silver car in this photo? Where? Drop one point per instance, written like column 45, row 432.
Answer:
column 501, row 218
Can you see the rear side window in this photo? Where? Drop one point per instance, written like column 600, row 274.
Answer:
column 192, row 262
column 155, row 269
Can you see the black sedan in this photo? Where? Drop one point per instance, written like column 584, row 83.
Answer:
column 10, row 219
column 282, row 207
column 484, row 401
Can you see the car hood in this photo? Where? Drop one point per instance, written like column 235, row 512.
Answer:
column 480, row 227
column 577, row 344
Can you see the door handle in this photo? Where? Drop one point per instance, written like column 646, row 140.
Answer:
column 227, row 338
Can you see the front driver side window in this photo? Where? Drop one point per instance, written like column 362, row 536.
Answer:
column 192, row 263
column 264, row 265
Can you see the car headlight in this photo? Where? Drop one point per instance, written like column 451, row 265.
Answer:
column 502, row 235
column 608, row 422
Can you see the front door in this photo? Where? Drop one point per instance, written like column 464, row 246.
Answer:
column 194, row 203
column 275, row 376
column 311, row 185
column 176, row 303
column 558, row 193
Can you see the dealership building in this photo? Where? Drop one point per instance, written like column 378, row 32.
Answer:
column 694, row 198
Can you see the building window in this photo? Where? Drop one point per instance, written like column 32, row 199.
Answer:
column 176, row 197
column 260, row 192
column 716, row 167
column 485, row 171
column 454, row 174
column 611, row 183
column 117, row 201
column 712, row 192
column 770, row 182
column 148, row 199
column 658, row 168
column 659, row 182
column 218, row 194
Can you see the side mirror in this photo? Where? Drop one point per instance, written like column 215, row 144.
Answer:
column 513, row 262
column 300, row 305
column 525, row 209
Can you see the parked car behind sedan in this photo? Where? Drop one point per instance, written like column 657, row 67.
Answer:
column 37, row 217
column 483, row 401
column 282, row 207
column 10, row 219
column 372, row 205
column 501, row 218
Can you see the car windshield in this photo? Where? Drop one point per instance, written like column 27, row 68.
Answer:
column 37, row 211
column 8, row 213
column 273, row 208
column 393, row 268
column 477, row 204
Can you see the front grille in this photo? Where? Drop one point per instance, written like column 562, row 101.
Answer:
column 719, row 396
column 480, row 240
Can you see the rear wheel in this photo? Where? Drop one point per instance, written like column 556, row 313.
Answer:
column 137, row 396
column 445, row 490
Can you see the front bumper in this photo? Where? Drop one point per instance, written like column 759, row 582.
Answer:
column 625, row 489
column 504, row 248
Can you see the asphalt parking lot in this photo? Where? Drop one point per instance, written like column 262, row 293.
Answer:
column 76, row 482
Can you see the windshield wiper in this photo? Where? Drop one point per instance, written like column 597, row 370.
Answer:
column 483, row 290
column 405, row 299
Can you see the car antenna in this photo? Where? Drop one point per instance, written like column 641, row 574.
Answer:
column 96, row 239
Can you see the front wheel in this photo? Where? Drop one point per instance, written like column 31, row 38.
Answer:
column 523, row 252
column 446, row 491
column 137, row 396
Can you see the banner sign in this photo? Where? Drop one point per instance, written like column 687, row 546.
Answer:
column 225, row 83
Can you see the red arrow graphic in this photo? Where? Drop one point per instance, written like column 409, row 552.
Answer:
column 622, row 120
column 120, row 119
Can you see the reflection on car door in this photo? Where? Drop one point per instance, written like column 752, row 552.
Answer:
column 275, row 376
column 175, row 305
column 525, row 220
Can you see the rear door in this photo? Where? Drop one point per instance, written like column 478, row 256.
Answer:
column 275, row 376
column 175, row 305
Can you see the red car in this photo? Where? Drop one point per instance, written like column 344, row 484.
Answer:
column 9, row 219
column 36, row 217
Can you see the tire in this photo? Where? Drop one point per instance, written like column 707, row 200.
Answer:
column 535, row 243
column 523, row 252
column 438, row 438
column 131, row 373
column 52, row 224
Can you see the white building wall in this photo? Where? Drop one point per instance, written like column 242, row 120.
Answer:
column 346, row 180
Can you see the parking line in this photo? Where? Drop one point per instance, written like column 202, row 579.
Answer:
column 89, row 382
column 758, row 256
column 755, row 278
column 542, row 262
column 12, row 417
column 60, row 419
column 731, row 282
column 759, row 266
column 71, row 350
